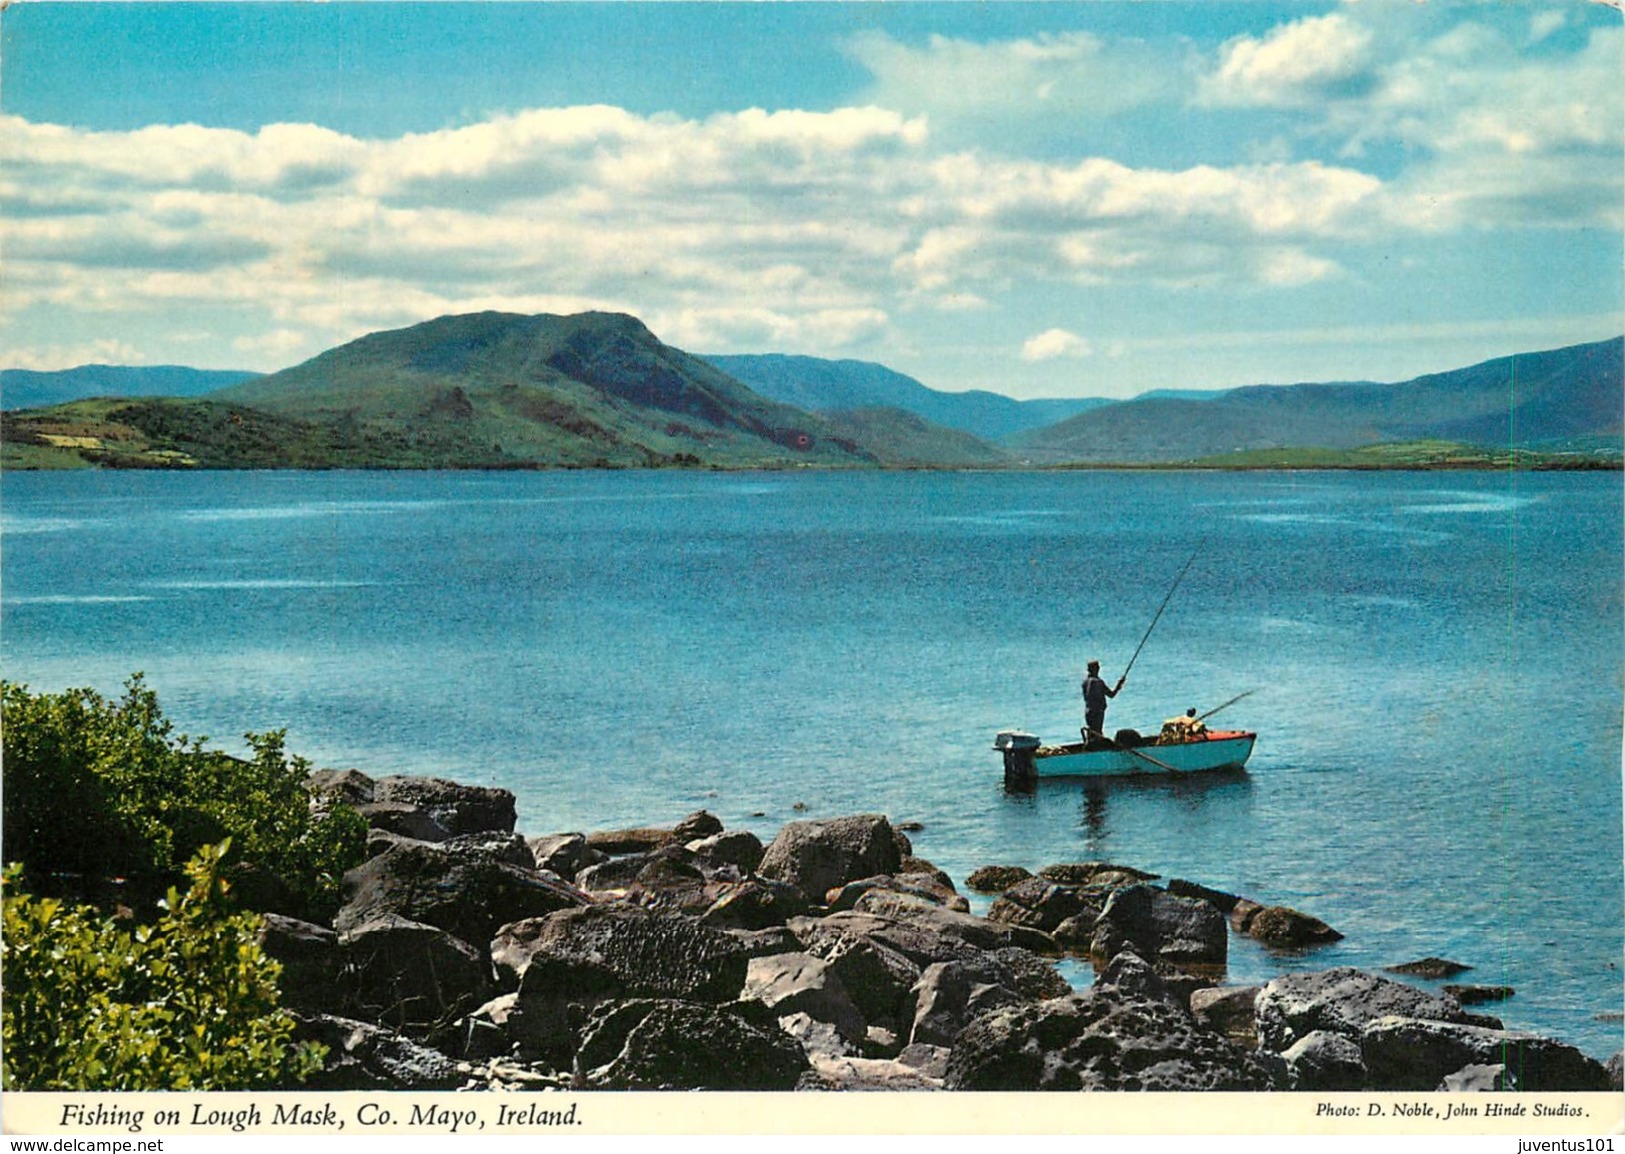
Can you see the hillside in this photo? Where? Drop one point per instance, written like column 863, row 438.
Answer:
column 32, row 389
column 897, row 437
column 1552, row 400
column 819, row 385
column 499, row 389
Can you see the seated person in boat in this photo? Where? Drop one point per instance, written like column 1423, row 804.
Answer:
column 1177, row 730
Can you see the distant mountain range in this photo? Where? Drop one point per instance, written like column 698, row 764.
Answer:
column 31, row 389
column 1539, row 401
column 823, row 386
column 500, row 390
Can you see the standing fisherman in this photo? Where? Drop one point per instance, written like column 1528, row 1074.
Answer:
column 1095, row 693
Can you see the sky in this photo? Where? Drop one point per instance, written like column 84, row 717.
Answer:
column 1074, row 198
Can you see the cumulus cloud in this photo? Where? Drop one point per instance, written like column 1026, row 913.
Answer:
column 1054, row 343
column 1296, row 64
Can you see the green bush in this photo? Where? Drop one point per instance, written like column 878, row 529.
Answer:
column 105, row 788
column 188, row 1002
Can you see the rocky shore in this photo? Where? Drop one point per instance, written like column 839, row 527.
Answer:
column 469, row 956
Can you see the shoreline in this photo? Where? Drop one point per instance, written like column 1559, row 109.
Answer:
column 831, row 958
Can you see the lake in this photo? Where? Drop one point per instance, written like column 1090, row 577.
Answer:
column 1434, row 659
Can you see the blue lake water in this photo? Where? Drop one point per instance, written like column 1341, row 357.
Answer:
column 1436, row 658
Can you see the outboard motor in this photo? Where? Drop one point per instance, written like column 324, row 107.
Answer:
column 1020, row 764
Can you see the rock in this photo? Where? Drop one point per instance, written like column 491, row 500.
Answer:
column 1220, row 900
column 1429, row 968
column 877, row 975
column 1343, row 1000
column 1406, row 1053
column 1322, row 1060
column 468, row 891
column 623, row 951
column 312, row 968
column 799, row 983
column 950, row 994
column 612, row 874
column 927, row 934
column 1478, row 1079
column 695, row 826
column 403, row 820
column 626, row 841
column 919, row 866
column 1157, row 924
column 1284, row 927
column 504, row 847
column 1101, row 1039
column 486, row 1030
column 739, row 848
column 347, row 786
column 363, row 1056
column 856, row 1073
column 996, row 878
column 1615, row 1069
column 1477, row 995
column 676, row 1045
column 1228, row 1010
column 565, row 854
column 459, row 808
column 1031, row 976
column 408, row 975
column 754, row 904
column 919, row 885
column 1094, row 873
column 765, row 943
column 1243, row 913
column 819, row 1040
column 1043, row 905
column 818, row 856
column 896, row 903
column 1129, row 973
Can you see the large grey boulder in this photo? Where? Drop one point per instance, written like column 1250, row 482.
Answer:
column 364, row 1056
column 1322, row 1060
column 1415, row 1054
column 1229, row 1010
column 1157, row 924
column 667, row 1044
column 949, row 995
column 412, row 976
column 565, row 854
column 1042, row 904
column 624, row 951
column 1286, row 928
column 924, row 887
column 456, row 807
column 798, row 983
column 818, row 856
column 312, row 967
column 1102, row 1039
column 468, row 889
column 1343, row 1001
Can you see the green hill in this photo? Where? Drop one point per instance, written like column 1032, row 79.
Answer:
column 498, row 389
column 1542, row 401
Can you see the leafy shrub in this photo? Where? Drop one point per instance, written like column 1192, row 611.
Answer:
column 186, row 1003
column 106, row 788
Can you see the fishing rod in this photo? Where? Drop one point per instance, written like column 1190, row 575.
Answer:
column 1160, row 608
column 1226, row 705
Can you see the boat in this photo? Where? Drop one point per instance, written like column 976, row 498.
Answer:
column 1026, row 758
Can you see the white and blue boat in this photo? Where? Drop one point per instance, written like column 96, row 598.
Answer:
column 1026, row 758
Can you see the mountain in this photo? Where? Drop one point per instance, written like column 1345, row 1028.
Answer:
column 501, row 389
column 897, row 437
column 821, row 386
column 31, row 389
column 1568, row 397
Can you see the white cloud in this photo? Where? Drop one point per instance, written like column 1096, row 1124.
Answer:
column 1296, row 64
column 1054, row 343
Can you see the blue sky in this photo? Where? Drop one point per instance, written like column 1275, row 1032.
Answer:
column 1070, row 198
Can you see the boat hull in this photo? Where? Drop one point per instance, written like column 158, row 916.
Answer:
column 1220, row 750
